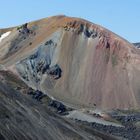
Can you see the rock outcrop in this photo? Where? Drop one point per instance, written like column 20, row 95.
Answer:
column 137, row 45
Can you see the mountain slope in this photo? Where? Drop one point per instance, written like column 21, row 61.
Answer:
column 24, row 118
column 75, row 61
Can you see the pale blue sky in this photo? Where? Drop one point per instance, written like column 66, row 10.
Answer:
column 120, row 16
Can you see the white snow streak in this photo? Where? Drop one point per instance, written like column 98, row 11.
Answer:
column 4, row 35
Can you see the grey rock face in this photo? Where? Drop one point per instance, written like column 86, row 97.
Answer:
column 32, row 68
column 137, row 45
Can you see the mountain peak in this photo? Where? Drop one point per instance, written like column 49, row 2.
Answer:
column 75, row 61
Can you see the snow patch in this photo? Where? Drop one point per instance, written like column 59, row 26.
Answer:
column 4, row 35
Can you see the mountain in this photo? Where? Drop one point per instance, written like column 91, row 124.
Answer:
column 65, row 78
column 74, row 61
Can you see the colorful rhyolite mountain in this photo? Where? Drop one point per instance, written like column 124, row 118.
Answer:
column 75, row 61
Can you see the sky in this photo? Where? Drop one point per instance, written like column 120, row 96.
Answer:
column 119, row 16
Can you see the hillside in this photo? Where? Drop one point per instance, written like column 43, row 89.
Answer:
column 23, row 118
column 75, row 61
column 65, row 78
